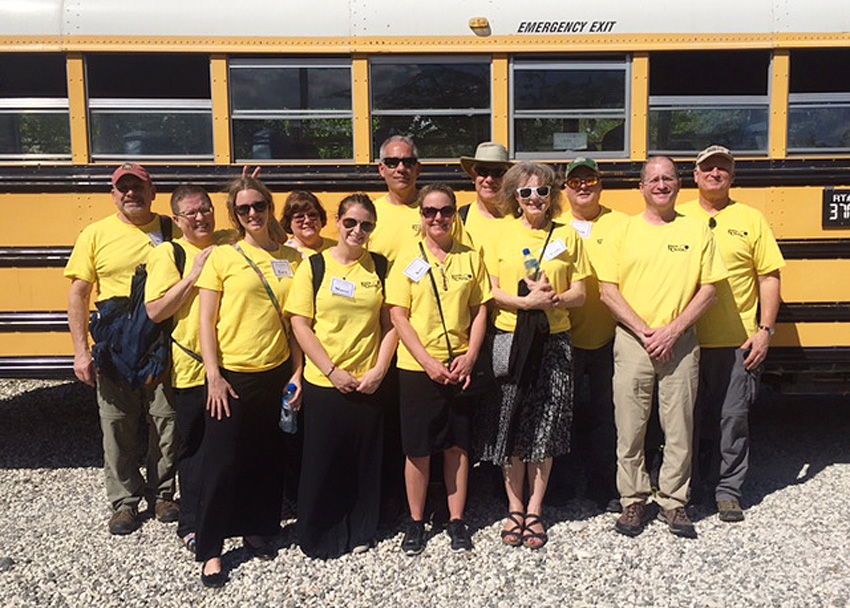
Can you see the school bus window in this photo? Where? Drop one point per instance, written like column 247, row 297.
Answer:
column 150, row 106
column 570, row 106
column 291, row 109
column 708, row 97
column 819, row 101
column 444, row 104
column 34, row 120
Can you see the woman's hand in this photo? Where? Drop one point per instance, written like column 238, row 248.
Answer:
column 295, row 402
column 371, row 380
column 462, row 369
column 218, row 393
column 541, row 295
column 438, row 372
column 343, row 381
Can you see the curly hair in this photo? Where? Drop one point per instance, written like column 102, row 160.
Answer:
column 517, row 176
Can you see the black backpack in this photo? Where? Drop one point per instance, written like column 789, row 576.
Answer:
column 129, row 348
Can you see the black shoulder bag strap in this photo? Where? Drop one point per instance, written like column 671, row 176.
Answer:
column 463, row 212
column 265, row 283
column 317, row 265
column 166, row 227
column 439, row 304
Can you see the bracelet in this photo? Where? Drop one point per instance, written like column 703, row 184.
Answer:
column 330, row 371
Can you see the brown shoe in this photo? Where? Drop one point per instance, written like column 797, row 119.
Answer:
column 730, row 510
column 631, row 522
column 124, row 521
column 678, row 522
column 166, row 511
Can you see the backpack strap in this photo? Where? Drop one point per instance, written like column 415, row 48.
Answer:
column 381, row 265
column 317, row 265
column 463, row 212
column 179, row 257
column 166, row 226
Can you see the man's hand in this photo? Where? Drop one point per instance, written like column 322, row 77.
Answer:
column 758, row 346
column 659, row 342
column 84, row 367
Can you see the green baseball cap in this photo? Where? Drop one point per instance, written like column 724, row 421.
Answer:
column 582, row 161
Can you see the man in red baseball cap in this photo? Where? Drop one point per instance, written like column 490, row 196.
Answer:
column 105, row 258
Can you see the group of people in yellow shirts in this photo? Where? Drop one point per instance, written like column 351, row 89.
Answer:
column 468, row 327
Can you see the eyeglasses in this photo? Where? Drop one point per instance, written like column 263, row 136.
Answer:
column 494, row 172
column 203, row 211
column 302, row 217
column 366, row 226
column 258, row 207
column 575, row 183
column 431, row 212
column 408, row 161
column 540, row 191
column 712, row 223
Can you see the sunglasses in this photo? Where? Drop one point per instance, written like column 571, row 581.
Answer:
column 582, row 182
column 540, row 191
column 431, row 212
column 189, row 215
column 494, row 172
column 303, row 217
column 366, row 226
column 258, row 207
column 408, row 161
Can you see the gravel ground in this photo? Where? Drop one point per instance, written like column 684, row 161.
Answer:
column 792, row 550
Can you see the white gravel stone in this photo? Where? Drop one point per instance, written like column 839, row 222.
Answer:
column 792, row 550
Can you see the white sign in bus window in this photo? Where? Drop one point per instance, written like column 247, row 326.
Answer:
column 569, row 141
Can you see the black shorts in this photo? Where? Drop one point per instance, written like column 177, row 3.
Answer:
column 433, row 417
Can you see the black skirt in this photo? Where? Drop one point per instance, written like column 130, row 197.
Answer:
column 340, row 490
column 242, row 475
column 434, row 417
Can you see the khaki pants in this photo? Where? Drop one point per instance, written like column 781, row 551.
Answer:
column 635, row 374
column 121, row 411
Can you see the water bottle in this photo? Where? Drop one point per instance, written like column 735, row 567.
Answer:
column 532, row 266
column 288, row 418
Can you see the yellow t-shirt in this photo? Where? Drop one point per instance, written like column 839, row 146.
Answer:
column 463, row 284
column 592, row 324
column 162, row 276
column 306, row 252
column 348, row 324
column 564, row 263
column 400, row 225
column 108, row 251
column 749, row 249
column 659, row 268
column 251, row 336
column 481, row 229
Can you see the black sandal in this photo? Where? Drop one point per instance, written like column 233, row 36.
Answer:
column 512, row 537
column 528, row 534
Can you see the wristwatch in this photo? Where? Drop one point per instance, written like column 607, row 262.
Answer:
column 770, row 330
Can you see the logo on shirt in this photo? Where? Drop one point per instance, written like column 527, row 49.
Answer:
column 740, row 233
column 371, row 284
column 461, row 276
column 673, row 247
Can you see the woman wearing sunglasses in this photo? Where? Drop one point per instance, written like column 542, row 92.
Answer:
column 338, row 315
column 437, row 290
column 303, row 219
column 249, row 358
column 535, row 265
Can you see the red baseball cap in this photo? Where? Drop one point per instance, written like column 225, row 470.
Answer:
column 134, row 169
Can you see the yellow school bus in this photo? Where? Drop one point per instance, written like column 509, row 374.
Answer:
column 196, row 89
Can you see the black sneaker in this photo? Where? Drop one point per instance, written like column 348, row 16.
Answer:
column 413, row 542
column 459, row 534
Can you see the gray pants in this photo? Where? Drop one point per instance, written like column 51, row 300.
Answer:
column 726, row 391
column 122, row 410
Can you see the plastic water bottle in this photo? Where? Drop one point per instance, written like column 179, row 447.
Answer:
column 288, row 418
column 532, row 266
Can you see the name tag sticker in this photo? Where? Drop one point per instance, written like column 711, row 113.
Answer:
column 417, row 269
column 341, row 287
column 156, row 238
column 583, row 228
column 281, row 268
column 554, row 249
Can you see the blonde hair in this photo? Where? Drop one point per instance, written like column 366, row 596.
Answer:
column 519, row 174
column 276, row 231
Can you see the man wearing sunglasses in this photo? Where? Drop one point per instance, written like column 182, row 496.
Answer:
column 486, row 168
column 658, row 276
column 734, row 334
column 593, row 339
column 398, row 214
column 106, row 255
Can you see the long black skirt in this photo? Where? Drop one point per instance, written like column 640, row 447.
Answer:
column 340, row 489
column 242, row 475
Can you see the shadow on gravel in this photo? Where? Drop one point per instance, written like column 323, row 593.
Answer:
column 793, row 439
column 50, row 427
